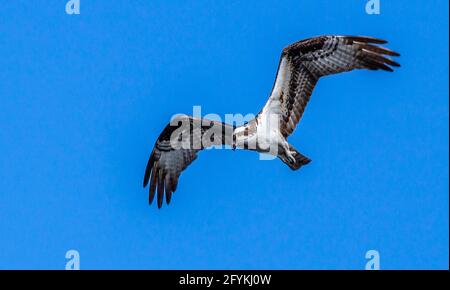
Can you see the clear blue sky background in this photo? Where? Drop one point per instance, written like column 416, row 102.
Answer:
column 83, row 98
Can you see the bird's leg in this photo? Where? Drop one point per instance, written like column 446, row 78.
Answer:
column 288, row 152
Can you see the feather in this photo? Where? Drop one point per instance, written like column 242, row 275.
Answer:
column 160, row 188
column 152, row 188
column 168, row 189
column 148, row 169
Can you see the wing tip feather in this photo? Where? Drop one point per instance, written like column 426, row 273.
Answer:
column 153, row 182
column 148, row 169
column 160, row 188
column 366, row 39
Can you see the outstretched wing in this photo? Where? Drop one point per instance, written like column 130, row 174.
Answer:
column 304, row 62
column 176, row 148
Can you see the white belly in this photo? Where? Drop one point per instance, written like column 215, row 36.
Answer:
column 268, row 135
column 266, row 138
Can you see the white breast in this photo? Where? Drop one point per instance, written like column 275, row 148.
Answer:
column 268, row 132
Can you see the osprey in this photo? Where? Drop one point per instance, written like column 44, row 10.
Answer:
column 300, row 67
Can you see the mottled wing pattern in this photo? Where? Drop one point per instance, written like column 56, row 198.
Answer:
column 170, row 156
column 304, row 62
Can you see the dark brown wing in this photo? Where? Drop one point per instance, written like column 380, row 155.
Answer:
column 176, row 148
column 304, row 62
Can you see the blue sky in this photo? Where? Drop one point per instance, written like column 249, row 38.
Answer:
column 83, row 98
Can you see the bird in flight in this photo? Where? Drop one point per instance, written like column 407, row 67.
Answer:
column 301, row 65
